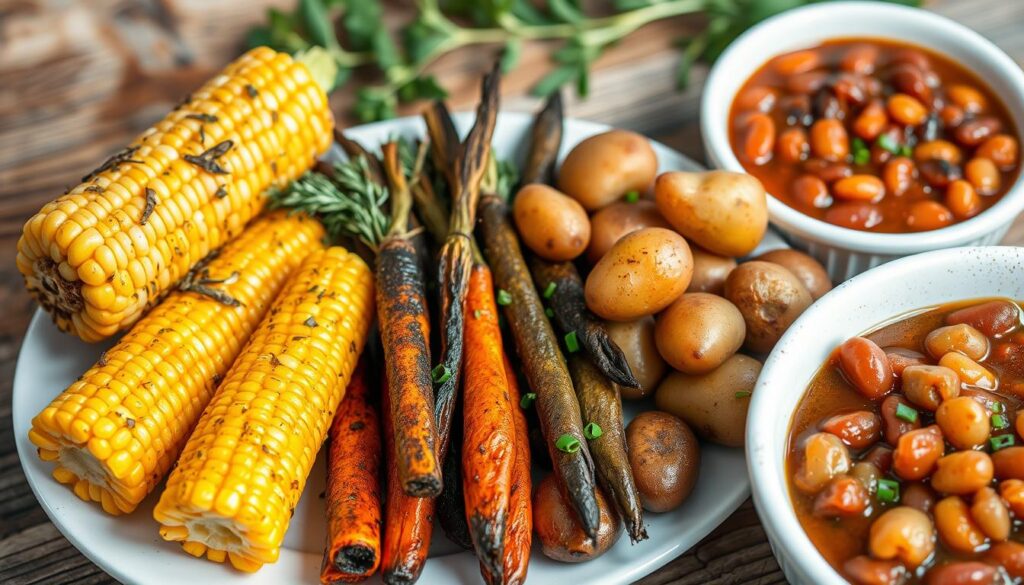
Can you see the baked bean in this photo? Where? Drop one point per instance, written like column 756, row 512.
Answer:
column 964, row 422
column 902, row 533
column 758, row 98
column 974, row 132
column 829, row 172
column 911, row 81
column 906, row 109
column 829, row 140
column 983, row 175
column 990, row 513
column 867, row 474
column 929, row 130
column 966, row 98
column 994, row 318
column 894, row 427
column 963, row 472
column 860, row 59
column 913, row 57
column 865, row 366
column 918, row 496
column 1009, row 463
column 843, row 496
column 939, row 173
column 1002, row 149
column 963, row 573
column 917, row 453
column 900, row 357
column 1010, row 556
column 797, row 109
column 827, row 105
column 864, row 570
column 871, row 121
column 969, row 371
column 758, row 138
column 797, row 62
column 956, row 528
column 792, row 145
column 988, row 400
column 811, row 191
column 951, row 115
column 879, row 155
column 1018, row 424
column 825, row 457
column 938, row 150
column 859, row 429
column 807, row 83
column 924, row 216
column 860, row 188
column 1012, row 492
column 929, row 386
column 960, row 337
column 962, row 200
column 898, row 175
column 850, row 90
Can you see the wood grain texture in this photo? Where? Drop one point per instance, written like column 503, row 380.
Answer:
column 80, row 78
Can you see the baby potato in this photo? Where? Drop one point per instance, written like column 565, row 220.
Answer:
column 709, row 271
column 618, row 219
column 552, row 225
column 720, row 211
column 713, row 404
column 665, row 459
column 807, row 269
column 770, row 299
column 561, row 537
column 636, row 340
column 606, row 166
column 642, row 274
column 698, row 332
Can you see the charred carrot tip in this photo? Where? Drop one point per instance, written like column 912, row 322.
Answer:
column 355, row 559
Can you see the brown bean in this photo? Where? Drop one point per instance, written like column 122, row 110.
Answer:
column 860, row 58
column 1012, row 492
column 859, row 429
column 1002, row 149
column 856, row 216
column 894, row 427
column 829, row 172
column 827, row 105
column 966, row 98
column 989, row 400
column 928, row 215
column 912, row 57
column 918, row 496
column 993, row 318
column 829, row 140
column 759, row 98
column 939, row 173
column 758, row 138
column 797, row 62
column 912, row 82
column 806, row 83
column 792, row 146
column 850, row 90
column 797, row 109
column 867, row 474
column 865, row 366
column 864, row 570
column 951, row 115
column 964, row 422
column 1009, row 463
column 898, row 175
column 956, row 528
column 917, row 453
column 990, row 513
column 960, row 337
column 1010, row 556
column 969, row 371
column 811, row 191
column 880, row 456
column 871, row 121
column 963, row 472
column 962, row 200
column 983, row 175
column 900, row 358
column 824, row 457
column 902, row 533
column 938, row 150
column 906, row 109
column 974, row 132
column 843, row 496
column 962, row 573
column 860, row 188
column 929, row 386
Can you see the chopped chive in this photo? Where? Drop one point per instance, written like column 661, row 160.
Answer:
column 550, row 290
column 905, row 150
column 1001, row 442
column 527, row 400
column 888, row 491
column 504, row 298
column 999, row 422
column 440, row 374
column 549, row 313
column 571, row 343
column 567, row 444
column 476, row 313
column 906, row 413
column 887, row 142
column 742, row 394
column 998, row 407
column 592, row 431
column 632, row 197
column 858, row 144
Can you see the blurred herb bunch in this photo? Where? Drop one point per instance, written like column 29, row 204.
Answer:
column 354, row 34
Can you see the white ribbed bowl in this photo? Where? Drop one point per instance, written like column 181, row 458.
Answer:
column 846, row 252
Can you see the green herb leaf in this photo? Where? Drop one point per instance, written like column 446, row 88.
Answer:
column 572, row 345
column 510, row 56
column 626, row 5
column 592, row 431
column 372, row 105
column 422, row 88
column 904, row 412
column 527, row 400
column 440, row 374
column 567, row 443
column 421, row 39
column 550, row 314
column 549, row 290
column 525, row 11
column 504, row 298
column 888, row 491
column 361, row 21
column 565, row 11
column 554, row 80
column 632, row 197
column 385, row 50
column 1001, row 441
column 317, row 23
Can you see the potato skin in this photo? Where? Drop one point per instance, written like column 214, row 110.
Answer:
column 710, row 402
column 723, row 212
column 561, row 538
column 698, row 332
column 552, row 225
column 810, row 272
column 709, row 271
column 606, row 166
column 609, row 224
column 642, row 274
column 636, row 340
column 665, row 458
column 770, row 299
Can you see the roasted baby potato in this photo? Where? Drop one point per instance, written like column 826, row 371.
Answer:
column 605, row 167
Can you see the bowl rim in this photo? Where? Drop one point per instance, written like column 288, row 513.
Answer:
column 962, row 40
column 766, row 468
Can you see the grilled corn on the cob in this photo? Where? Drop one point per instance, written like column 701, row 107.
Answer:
column 99, row 256
column 233, row 490
column 116, row 431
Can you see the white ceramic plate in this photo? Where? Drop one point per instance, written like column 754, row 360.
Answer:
column 130, row 549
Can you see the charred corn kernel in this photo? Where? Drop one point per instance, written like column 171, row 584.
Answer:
column 240, row 475
column 117, row 430
column 101, row 255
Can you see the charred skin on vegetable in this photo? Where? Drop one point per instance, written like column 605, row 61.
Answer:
column 519, row 525
column 545, row 140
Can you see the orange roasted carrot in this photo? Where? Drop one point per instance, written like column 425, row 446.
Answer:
column 353, row 496
column 519, row 526
column 408, row 520
column 488, row 448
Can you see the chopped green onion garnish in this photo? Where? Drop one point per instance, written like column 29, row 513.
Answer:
column 999, row 422
column 632, row 197
column 592, row 431
column 571, row 343
column 861, row 157
column 742, row 394
column 888, row 491
column 905, row 150
column 476, row 313
column 504, row 298
column 906, row 413
column 1001, row 442
column 858, row 144
column 888, row 143
column 998, row 407
column 440, row 374
column 550, row 314
column 567, row 444
column 550, row 290
column 527, row 400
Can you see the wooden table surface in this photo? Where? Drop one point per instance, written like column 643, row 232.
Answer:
column 78, row 79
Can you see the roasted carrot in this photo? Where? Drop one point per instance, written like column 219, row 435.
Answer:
column 451, row 504
column 601, row 407
column 519, row 525
column 489, row 449
column 353, row 486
